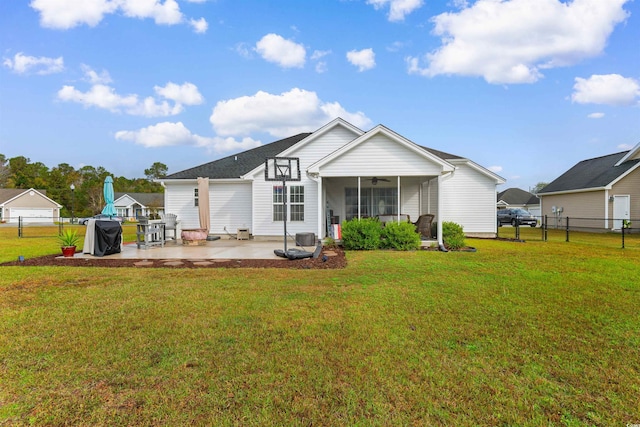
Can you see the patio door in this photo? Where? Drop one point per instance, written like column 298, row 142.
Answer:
column 373, row 201
column 621, row 208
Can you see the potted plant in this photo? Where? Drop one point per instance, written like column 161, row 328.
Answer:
column 68, row 241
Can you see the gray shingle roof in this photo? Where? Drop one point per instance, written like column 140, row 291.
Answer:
column 10, row 193
column 236, row 165
column 591, row 173
column 155, row 200
column 517, row 196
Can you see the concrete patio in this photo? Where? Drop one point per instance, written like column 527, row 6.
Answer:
column 217, row 249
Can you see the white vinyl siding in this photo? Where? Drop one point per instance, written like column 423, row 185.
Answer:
column 381, row 156
column 469, row 199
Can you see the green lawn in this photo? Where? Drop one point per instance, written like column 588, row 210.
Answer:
column 528, row 333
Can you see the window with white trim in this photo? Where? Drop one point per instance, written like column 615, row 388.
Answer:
column 295, row 203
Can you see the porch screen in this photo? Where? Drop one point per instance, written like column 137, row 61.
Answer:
column 373, row 201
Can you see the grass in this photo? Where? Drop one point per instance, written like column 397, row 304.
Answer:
column 536, row 333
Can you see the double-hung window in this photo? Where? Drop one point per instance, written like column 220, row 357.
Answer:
column 295, row 202
column 195, row 197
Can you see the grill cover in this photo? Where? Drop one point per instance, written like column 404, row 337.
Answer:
column 107, row 239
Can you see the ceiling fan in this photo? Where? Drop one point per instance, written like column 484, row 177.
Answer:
column 375, row 180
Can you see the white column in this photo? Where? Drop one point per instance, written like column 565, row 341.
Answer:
column 399, row 207
column 321, row 210
column 358, row 197
column 439, row 226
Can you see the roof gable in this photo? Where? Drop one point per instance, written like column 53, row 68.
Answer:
column 596, row 173
column 633, row 154
column 392, row 136
column 10, row 194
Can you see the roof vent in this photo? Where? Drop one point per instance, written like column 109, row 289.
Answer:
column 235, row 158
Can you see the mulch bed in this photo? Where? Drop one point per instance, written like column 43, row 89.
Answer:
column 330, row 258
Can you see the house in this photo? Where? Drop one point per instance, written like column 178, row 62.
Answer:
column 31, row 205
column 604, row 191
column 517, row 198
column 133, row 205
column 344, row 173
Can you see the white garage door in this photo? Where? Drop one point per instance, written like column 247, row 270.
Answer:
column 31, row 215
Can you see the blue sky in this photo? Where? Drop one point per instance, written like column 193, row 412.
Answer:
column 526, row 88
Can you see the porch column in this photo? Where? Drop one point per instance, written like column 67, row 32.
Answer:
column 399, row 207
column 358, row 197
column 321, row 209
column 439, row 222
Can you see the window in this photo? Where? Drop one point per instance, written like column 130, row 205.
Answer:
column 277, row 203
column 195, row 197
column 296, row 200
column 295, row 203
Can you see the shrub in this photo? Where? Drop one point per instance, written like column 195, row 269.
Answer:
column 401, row 236
column 452, row 235
column 361, row 234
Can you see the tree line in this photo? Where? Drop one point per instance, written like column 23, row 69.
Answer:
column 86, row 198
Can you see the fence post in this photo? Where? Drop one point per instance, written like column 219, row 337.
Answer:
column 567, row 230
column 60, row 226
column 623, row 227
column 517, row 228
column 544, row 229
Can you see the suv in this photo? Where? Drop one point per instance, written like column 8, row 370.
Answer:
column 516, row 217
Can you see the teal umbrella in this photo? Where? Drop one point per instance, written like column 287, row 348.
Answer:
column 109, row 197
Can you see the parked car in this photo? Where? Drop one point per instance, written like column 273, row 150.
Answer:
column 516, row 217
column 84, row 221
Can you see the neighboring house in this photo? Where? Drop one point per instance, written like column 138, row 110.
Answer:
column 133, row 205
column 32, row 205
column 338, row 162
column 605, row 189
column 517, row 198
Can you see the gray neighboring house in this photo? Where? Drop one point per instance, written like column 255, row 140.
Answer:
column 605, row 189
column 32, row 205
column 517, row 198
column 133, row 205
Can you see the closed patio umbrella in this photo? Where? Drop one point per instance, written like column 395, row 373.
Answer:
column 203, row 203
column 109, row 208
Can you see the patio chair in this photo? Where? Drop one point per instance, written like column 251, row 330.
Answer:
column 170, row 225
column 423, row 225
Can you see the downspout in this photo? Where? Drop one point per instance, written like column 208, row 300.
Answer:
column 441, row 178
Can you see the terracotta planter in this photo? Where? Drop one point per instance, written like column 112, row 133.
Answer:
column 68, row 251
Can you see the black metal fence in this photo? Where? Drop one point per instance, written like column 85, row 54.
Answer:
column 619, row 232
column 39, row 227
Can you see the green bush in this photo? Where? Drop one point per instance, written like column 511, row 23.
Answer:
column 401, row 236
column 361, row 234
column 452, row 235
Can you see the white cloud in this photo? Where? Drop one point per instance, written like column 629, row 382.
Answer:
column 24, row 64
column 285, row 53
column 200, row 26
column 495, row 169
column 66, row 14
column 625, row 147
column 186, row 94
column 398, row 9
column 608, row 89
column 167, row 134
column 321, row 67
column 318, row 54
column 510, row 41
column 281, row 115
column 100, row 96
column 105, row 97
column 93, row 77
column 364, row 59
column 596, row 115
column 243, row 50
